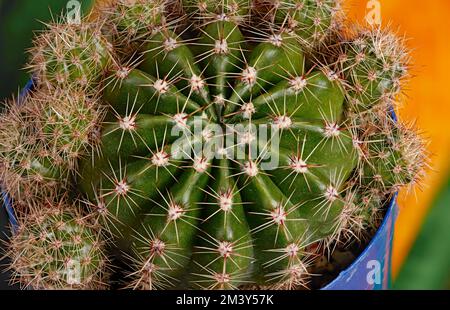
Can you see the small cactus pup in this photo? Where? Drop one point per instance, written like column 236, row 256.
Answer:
column 43, row 137
column 374, row 63
column 312, row 20
column 56, row 247
column 362, row 213
column 131, row 22
column 365, row 211
column 391, row 153
column 69, row 123
column 69, row 54
column 391, row 156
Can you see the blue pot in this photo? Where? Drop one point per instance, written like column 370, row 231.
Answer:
column 370, row 271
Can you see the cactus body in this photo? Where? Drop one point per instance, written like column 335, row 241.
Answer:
column 56, row 248
column 231, row 221
column 70, row 55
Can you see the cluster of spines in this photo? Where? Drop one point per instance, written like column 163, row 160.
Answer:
column 29, row 171
column 69, row 124
column 312, row 21
column 373, row 63
column 70, row 54
column 391, row 156
column 391, row 153
column 58, row 247
column 43, row 138
column 131, row 23
column 204, row 11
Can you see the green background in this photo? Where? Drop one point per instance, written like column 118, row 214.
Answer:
column 428, row 263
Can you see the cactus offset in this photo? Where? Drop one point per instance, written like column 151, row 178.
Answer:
column 391, row 153
column 57, row 247
column 311, row 20
column 131, row 23
column 374, row 64
column 230, row 140
column 70, row 55
column 69, row 124
column 29, row 171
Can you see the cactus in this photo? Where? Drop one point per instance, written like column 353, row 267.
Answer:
column 43, row 138
column 131, row 23
column 204, row 10
column 70, row 55
column 391, row 156
column 218, row 155
column 57, row 247
column 374, row 64
column 311, row 20
column 391, row 153
column 69, row 125
column 29, row 171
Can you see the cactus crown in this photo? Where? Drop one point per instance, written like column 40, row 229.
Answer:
column 217, row 144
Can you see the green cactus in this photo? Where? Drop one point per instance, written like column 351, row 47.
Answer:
column 217, row 154
column 374, row 64
column 69, row 124
column 203, row 10
column 29, row 171
column 43, row 138
column 58, row 248
column 361, row 215
column 129, row 24
column 70, row 54
column 391, row 153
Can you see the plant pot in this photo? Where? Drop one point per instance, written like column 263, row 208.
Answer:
column 371, row 270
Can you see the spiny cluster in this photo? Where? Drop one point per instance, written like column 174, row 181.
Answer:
column 57, row 248
column 203, row 11
column 374, row 64
column 391, row 153
column 29, row 171
column 311, row 20
column 69, row 124
column 131, row 23
column 114, row 124
column 43, row 138
column 69, row 54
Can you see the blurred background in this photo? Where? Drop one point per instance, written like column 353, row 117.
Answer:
column 421, row 255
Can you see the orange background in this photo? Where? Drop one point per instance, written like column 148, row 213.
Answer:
column 427, row 26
